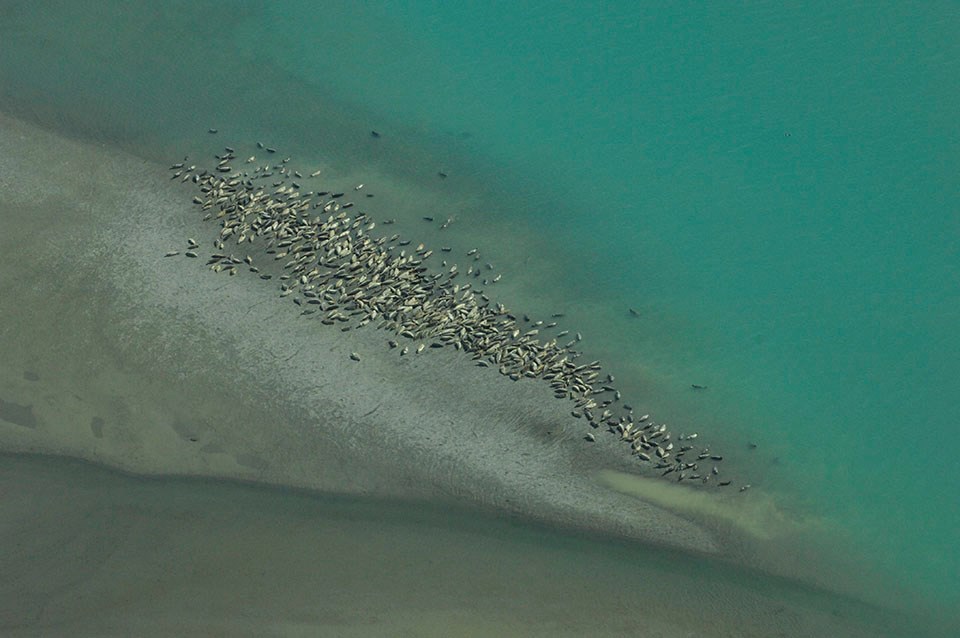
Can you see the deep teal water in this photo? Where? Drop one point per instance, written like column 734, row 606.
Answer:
column 773, row 187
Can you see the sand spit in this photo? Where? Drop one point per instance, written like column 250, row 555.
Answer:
column 154, row 365
column 121, row 355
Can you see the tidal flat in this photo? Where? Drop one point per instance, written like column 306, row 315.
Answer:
column 94, row 552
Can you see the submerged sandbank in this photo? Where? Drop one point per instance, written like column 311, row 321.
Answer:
column 99, row 553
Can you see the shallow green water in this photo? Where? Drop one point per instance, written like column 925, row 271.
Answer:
column 773, row 189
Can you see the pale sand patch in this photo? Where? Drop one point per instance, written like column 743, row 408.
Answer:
column 759, row 516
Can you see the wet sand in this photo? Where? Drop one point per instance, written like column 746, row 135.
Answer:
column 103, row 554
column 153, row 365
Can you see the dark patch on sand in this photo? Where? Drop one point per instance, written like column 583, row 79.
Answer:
column 185, row 430
column 31, row 376
column 18, row 414
column 252, row 461
column 96, row 426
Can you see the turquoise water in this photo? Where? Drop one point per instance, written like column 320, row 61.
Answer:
column 772, row 188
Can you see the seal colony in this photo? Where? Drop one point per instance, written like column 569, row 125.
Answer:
column 335, row 268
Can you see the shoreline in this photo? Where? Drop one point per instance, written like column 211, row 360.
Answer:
column 354, row 453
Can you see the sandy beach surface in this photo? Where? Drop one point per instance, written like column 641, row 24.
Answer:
column 155, row 366
column 118, row 355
